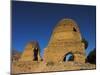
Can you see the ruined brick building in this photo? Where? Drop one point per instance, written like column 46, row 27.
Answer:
column 31, row 52
column 65, row 39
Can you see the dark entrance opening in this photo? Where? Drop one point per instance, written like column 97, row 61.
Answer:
column 68, row 57
column 35, row 54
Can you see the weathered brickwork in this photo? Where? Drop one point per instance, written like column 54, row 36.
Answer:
column 31, row 52
column 65, row 38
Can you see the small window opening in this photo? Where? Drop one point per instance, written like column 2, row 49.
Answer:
column 74, row 30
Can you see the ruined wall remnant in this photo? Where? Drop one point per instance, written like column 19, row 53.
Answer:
column 31, row 52
column 65, row 38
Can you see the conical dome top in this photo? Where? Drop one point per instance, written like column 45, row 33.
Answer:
column 66, row 21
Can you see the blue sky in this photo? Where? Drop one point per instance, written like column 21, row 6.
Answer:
column 35, row 21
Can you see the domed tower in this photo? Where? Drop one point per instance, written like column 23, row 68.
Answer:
column 31, row 52
column 65, row 39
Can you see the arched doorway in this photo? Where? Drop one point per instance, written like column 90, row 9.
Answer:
column 68, row 57
column 35, row 51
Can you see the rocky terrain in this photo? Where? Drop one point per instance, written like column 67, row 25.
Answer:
column 35, row 66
